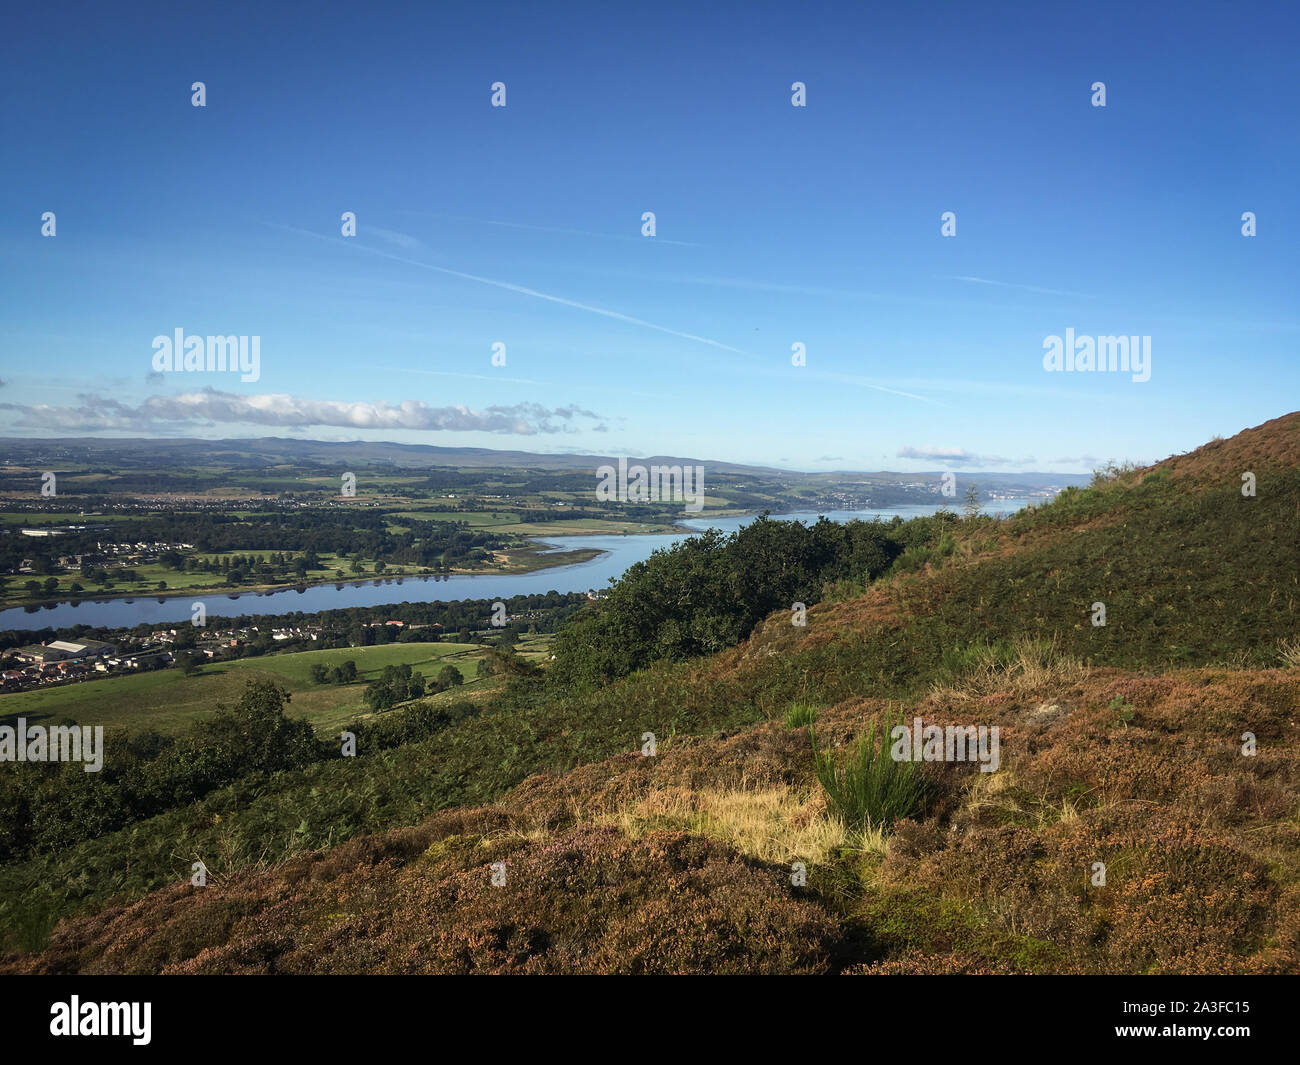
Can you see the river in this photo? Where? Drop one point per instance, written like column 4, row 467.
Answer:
column 619, row 552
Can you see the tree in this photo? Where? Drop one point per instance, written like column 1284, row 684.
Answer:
column 256, row 735
column 319, row 673
column 449, row 677
column 395, row 685
column 972, row 505
column 509, row 663
column 379, row 696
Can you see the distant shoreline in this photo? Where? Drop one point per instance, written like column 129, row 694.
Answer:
column 545, row 561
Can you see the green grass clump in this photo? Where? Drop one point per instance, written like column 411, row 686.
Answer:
column 800, row 714
column 869, row 788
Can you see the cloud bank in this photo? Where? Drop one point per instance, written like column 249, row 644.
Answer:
column 212, row 407
column 951, row 456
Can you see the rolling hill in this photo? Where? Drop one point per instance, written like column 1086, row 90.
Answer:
column 1144, row 816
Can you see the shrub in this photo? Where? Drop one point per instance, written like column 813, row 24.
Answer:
column 1124, row 710
column 1111, row 473
column 911, row 560
column 256, row 736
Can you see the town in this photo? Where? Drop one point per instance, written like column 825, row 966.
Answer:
column 61, row 661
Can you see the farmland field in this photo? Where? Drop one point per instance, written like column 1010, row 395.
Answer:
column 169, row 702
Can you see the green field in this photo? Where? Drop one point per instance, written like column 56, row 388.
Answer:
column 507, row 521
column 151, row 574
column 590, row 528
column 58, row 517
column 475, row 519
column 170, row 702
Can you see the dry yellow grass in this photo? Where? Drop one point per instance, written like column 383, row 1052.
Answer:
column 1032, row 666
column 997, row 791
column 773, row 824
column 1289, row 652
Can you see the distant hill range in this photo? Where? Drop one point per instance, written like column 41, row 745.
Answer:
column 265, row 452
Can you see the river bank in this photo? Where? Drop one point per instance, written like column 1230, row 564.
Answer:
column 607, row 558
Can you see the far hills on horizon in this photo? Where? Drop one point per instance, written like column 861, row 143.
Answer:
column 137, row 452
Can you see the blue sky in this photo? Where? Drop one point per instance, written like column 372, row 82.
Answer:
column 775, row 225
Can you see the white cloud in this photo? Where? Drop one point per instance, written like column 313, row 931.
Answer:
column 951, row 456
column 209, row 406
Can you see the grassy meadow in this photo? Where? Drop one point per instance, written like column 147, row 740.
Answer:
column 169, row 702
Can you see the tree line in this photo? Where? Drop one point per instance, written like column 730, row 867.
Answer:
column 708, row 592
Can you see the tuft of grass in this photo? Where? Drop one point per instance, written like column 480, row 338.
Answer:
column 868, row 788
column 1026, row 665
column 800, row 714
column 1289, row 652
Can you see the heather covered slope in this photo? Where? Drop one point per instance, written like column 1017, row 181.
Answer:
column 1121, row 744
column 681, row 862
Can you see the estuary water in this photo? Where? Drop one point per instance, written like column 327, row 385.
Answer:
column 618, row 553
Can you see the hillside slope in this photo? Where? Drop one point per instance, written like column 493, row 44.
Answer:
column 1123, row 745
